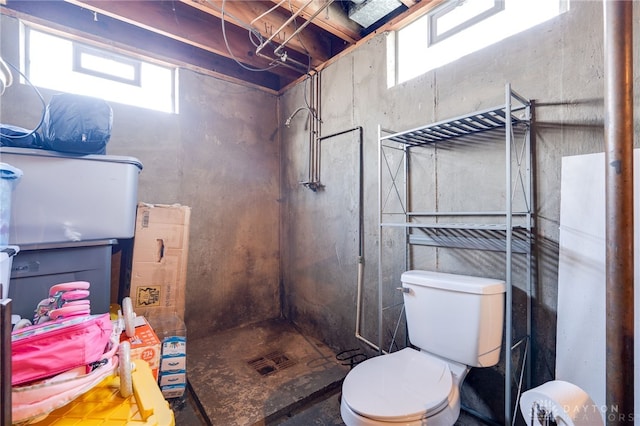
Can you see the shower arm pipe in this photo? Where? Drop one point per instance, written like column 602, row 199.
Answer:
column 287, row 22
column 360, row 278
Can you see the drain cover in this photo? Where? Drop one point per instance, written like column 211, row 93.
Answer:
column 272, row 362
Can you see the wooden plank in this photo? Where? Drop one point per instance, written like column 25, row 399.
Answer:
column 204, row 31
column 409, row 3
column 179, row 20
column 333, row 19
column 316, row 42
column 79, row 24
column 410, row 15
column 400, row 21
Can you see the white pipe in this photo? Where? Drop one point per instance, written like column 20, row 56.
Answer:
column 358, row 334
column 359, row 305
column 267, row 12
column 301, row 27
column 287, row 22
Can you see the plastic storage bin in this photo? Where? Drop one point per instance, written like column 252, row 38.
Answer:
column 34, row 271
column 6, row 260
column 9, row 176
column 64, row 198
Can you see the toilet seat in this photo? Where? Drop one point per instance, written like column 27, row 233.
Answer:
column 402, row 386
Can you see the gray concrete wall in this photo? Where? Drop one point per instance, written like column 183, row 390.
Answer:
column 220, row 156
column 259, row 238
column 559, row 64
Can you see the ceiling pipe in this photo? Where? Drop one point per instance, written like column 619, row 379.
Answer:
column 618, row 124
column 301, row 27
column 282, row 56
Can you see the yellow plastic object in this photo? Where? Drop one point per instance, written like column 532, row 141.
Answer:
column 113, row 311
column 103, row 404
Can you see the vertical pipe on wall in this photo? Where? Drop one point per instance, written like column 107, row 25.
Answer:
column 360, row 276
column 618, row 58
column 311, row 118
column 317, row 106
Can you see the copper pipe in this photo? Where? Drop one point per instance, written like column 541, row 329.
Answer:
column 618, row 57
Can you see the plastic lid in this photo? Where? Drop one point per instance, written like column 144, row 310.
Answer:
column 8, row 251
column 88, row 157
column 7, row 171
column 402, row 386
column 454, row 282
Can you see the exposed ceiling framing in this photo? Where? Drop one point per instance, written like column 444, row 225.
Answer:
column 268, row 44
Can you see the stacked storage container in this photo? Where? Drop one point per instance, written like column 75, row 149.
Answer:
column 158, row 285
column 67, row 213
column 172, row 375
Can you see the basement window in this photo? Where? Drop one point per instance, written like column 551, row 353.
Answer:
column 69, row 66
column 460, row 27
column 88, row 60
column 456, row 16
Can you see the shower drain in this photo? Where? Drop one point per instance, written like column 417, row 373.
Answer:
column 271, row 362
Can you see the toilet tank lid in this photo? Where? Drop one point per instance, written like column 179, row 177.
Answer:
column 454, row 282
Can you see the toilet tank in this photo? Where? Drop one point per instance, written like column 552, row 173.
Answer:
column 457, row 317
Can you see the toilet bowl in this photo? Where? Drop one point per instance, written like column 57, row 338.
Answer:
column 408, row 386
column 455, row 322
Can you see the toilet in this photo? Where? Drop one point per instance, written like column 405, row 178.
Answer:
column 456, row 322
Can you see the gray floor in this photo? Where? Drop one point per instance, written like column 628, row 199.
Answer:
column 301, row 386
column 260, row 374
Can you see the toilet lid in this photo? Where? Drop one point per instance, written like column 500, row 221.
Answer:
column 401, row 386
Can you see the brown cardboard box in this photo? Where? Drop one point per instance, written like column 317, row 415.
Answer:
column 145, row 345
column 159, row 265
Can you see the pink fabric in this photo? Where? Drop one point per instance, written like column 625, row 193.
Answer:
column 47, row 349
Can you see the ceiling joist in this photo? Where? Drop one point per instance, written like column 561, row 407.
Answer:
column 284, row 39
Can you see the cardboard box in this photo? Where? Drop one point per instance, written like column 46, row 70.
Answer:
column 159, row 264
column 145, row 345
column 173, row 379
column 173, row 391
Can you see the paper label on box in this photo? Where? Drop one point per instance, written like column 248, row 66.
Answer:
column 176, row 363
column 174, row 346
column 148, row 296
column 173, row 379
column 145, row 345
column 173, row 391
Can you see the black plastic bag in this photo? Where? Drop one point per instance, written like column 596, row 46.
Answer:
column 18, row 137
column 77, row 124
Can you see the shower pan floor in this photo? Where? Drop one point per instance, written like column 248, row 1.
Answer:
column 263, row 374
